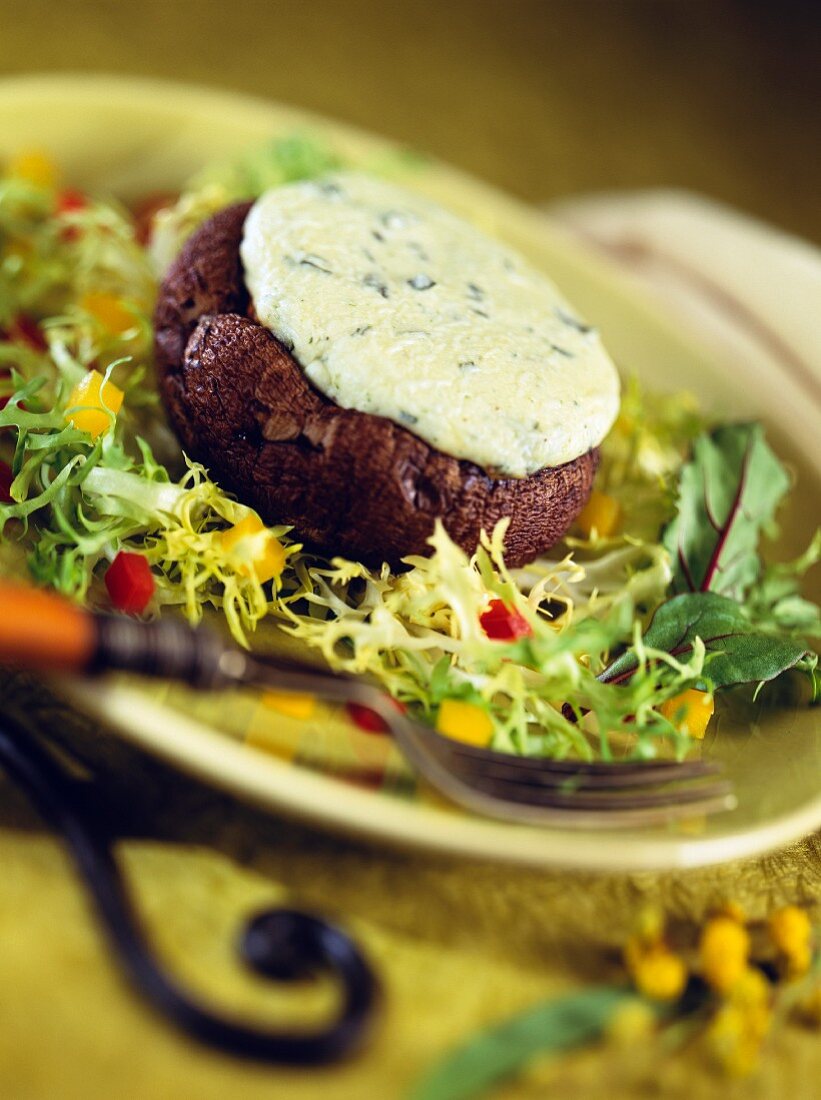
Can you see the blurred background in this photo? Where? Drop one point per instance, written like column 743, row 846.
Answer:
column 543, row 97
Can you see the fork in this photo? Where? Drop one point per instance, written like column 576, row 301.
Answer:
column 42, row 631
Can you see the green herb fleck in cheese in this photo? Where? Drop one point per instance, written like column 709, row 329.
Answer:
column 395, row 307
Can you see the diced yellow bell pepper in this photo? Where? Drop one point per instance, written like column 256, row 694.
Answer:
column 464, row 722
column 273, row 739
column 602, row 513
column 690, row 712
column 34, row 166
column 258, row 551
column 290, row 703
column 108, row 310
column 95, row 398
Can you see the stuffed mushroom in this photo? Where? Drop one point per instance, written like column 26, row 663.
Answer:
column 353, row 360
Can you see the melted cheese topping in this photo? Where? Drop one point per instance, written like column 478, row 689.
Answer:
column 395, row 307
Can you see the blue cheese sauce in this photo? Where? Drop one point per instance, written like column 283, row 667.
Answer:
column 395, row 307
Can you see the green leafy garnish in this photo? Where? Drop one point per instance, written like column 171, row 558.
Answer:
column 775, row 602
column 297, row 156
column 419, row 633
column 751, row 621
column 728, row 493
column 736, row 650
column 90, row 499
column 642, row 456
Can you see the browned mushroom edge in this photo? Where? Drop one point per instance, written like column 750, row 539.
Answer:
column 350, row 483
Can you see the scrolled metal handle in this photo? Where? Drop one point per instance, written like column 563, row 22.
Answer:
column 279, row 944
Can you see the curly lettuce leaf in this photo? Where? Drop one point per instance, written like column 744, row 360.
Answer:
column 597, row 573
column 642, row 456
column 92, row 499
column 419, row 633
column 76, row 502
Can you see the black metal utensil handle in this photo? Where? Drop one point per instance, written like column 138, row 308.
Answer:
column 281, row 944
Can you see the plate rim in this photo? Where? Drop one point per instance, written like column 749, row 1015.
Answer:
column 276, row 785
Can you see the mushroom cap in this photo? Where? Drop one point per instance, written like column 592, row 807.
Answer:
column 350, row 483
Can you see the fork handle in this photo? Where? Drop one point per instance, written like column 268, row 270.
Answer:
column 42, row 631
column 45, row 632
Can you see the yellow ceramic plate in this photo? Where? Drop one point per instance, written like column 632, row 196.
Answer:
column 133, row 137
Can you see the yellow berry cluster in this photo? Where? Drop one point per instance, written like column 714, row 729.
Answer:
column 741, row 993
column 657, row 972
column 741, row 1021
column 724, row 951
column 740, row 1024
column 791, row 933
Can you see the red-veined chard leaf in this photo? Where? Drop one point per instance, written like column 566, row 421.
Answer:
column 728, row 492
column 737, row 651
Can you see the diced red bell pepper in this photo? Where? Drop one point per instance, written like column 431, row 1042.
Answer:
column 503, row 623
column 6, row 478
column 368, row 720
column 70, row 201
column 26, row 330
column 129, row 582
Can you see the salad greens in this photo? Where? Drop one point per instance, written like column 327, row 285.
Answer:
column 727, row 494
column 616, row 625
column 419, row 632
column 736, row 650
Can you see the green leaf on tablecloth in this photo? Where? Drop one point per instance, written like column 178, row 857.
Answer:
column 551, row 1026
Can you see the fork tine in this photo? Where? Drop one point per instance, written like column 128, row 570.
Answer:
column 663, row 798
column 640, row 768
column 590, row 799
column 526, row 790
column 500, row 769
column 573, row 817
